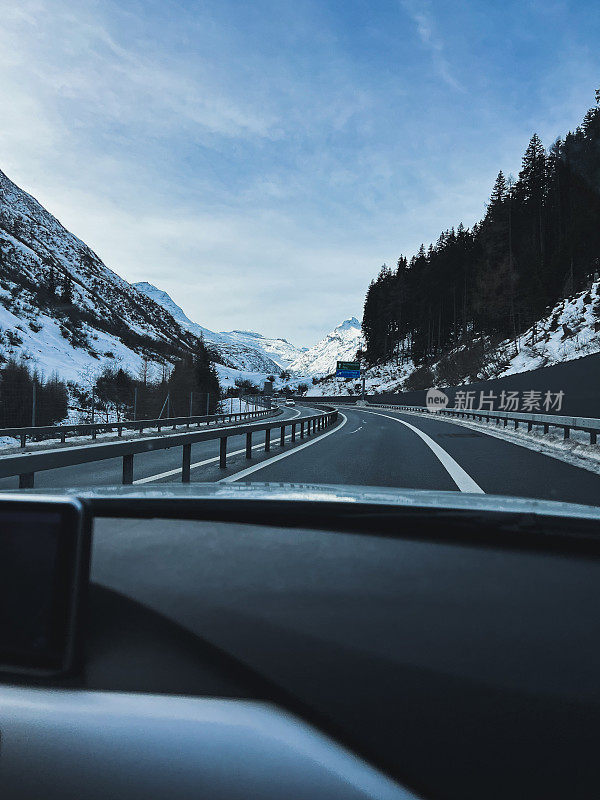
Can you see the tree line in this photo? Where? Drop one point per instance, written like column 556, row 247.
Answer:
column 191, row 387
column 26, row 398
column 539, row 241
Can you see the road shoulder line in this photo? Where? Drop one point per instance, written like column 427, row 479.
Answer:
column 550, row 448
column 460, row 477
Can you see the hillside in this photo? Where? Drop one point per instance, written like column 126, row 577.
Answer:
column 470, row 300
column 63, row 309
column 570, row 330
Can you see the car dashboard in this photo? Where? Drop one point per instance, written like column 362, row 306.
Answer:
column 307, row 642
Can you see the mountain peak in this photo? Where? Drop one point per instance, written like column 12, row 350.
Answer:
column 352, row 322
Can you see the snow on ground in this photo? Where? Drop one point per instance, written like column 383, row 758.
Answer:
column 49, row 351
column 381, row 378
column 571, row 330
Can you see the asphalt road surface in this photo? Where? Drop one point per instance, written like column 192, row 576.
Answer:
column 368, row 447
column 378, row 447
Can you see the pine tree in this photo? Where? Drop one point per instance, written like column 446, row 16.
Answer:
column 66, row 294
column 498, row 196
column 52, row 282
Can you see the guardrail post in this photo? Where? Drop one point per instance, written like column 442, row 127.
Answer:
column 516, row 424
column 128, row 469
column 186, row 461
column 26, row 480
column 592, row 437
column 302, row 430
column 529, row 427
column 223, row 452
column 282, row 437
column 546, row 427
column 293, row 431
column 249, row 444
column 567, row 431
column 267, row 440
column 505, row 421
column 63, row 437
column 94, row 432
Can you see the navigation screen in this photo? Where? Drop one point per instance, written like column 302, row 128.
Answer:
column 37, row 571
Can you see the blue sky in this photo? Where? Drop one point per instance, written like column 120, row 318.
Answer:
column 259, row 161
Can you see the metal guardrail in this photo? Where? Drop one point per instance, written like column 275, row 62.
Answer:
column 93, row 429
column 25, row 465
column 546, row 421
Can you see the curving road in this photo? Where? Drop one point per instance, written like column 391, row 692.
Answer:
column 378, row 447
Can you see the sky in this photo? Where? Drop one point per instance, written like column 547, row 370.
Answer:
column 261, row 160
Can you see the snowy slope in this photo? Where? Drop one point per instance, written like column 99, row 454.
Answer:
column 339, row 345
column 106, row 319
column 570, row 330
column 280, row 351
column 235, row 354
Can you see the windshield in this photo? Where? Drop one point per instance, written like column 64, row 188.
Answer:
column 321, row 243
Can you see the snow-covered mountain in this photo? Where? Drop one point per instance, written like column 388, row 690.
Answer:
column 280, row 351
column 166, row 301
column 62, row 309
column 233, row 353
column 339, row 345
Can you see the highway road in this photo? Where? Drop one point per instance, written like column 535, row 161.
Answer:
column 369, row 447
column 391, row 448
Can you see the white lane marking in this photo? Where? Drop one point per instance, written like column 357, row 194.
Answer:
column 461, row 478
column 212, row 460
column 356, row 431
column 236, row 476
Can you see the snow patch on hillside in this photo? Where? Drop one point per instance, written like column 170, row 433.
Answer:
column 571, row 330
column 279, row 350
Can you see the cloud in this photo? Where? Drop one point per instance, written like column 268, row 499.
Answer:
column 420, row 13
column 63, row 58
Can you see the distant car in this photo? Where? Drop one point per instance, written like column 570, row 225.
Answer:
column 290, row 402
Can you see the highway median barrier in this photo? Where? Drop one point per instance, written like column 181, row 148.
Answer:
column 25, row 465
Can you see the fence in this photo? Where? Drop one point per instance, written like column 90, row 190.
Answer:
column 27, row 464
column 61, row 431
